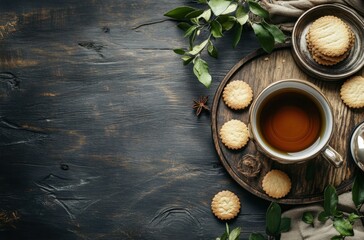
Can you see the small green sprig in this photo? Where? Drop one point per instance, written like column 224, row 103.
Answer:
column 203, row 26
column 342, row 222
column 227, row 235
column 275, row 225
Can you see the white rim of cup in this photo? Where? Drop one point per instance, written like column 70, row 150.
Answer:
column 313, row 150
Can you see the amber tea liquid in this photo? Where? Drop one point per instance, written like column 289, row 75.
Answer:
column 290, row 121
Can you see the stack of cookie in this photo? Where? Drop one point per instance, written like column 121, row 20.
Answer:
column 329, row 40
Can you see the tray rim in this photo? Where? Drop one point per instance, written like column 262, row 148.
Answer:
column 218, row 93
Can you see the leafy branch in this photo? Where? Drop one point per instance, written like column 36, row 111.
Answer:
column 275, row 225
column 204, row 26
column 342, row 222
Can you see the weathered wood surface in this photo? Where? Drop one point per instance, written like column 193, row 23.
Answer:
column 98, row 139
column 308, row 179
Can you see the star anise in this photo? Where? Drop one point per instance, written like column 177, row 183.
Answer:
column 201, row 104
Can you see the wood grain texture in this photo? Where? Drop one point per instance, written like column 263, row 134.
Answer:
column 308, row 179
column 98, row 138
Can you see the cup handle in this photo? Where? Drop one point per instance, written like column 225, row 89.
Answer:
column 332, row 156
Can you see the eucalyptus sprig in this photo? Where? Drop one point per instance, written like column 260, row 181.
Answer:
column 202, row 26
column 342, row 222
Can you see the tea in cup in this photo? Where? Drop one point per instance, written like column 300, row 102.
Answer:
column 291, row 121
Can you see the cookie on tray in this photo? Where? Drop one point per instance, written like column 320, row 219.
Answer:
column 234, row 134
column 237, row 94
column 276, row 184
column 225, row 205
column 352, row 92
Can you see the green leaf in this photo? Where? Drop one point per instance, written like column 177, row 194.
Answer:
column 227, row 22
column 187, row 59
column 353, row 217
column 206, row 15
column 184, row 26
column 211, row 49
column 338, row 237
column 308, row 218
column 285, row 225
column 338, row 214
column 224, row 236
column 344, row 227
column 235, row 233
column 201, row 70
column 194, row 14
column 231, row 8
column 275, row 31
column 241, row 16
column 218, row 6
column 257, row 9
column 179, row 13
column 273, row 219
column 216, row 29
column 192, row 38
column 198, row 48
column 238, row 30
column 358, row 190
column 265, row 38
column 256, row 236
column 227, row 228
column 179, row 51
column 330, row 200
column 190, row 30
column 202, row 1
column 323, row 216
column 195, row 21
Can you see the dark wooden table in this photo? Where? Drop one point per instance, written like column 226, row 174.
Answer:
column 98, row 139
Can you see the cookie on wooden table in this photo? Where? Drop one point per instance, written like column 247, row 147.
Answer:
column 276, row 184
column 237, row 94
column 352, row 92
column 234, row 134
column 225, row 205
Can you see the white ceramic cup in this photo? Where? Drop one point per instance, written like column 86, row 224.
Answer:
column 321, row 144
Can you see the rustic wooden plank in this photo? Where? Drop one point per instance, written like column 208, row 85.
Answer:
column 98, row 139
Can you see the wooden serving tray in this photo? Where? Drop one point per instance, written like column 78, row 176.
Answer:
column 308, row 179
